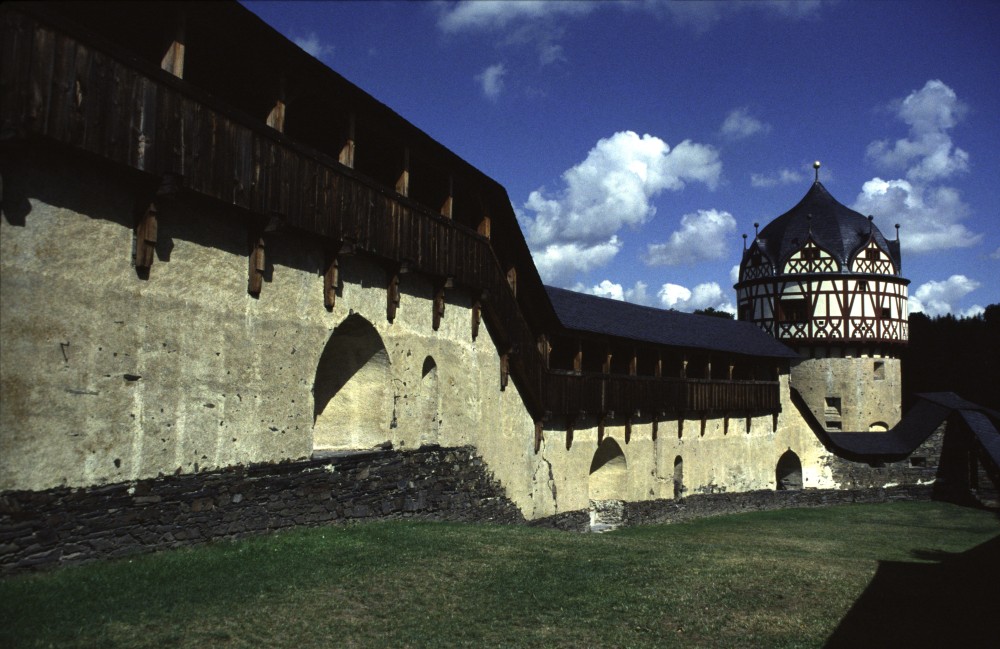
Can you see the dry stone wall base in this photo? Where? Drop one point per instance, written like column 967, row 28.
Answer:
column 61, row 526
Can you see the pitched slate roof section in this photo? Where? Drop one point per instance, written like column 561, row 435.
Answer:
column 606, row 317
column 834, row 227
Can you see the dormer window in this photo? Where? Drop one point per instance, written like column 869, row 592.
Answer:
column 810, row 254
column 872, row 254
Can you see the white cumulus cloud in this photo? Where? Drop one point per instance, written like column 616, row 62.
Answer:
column 783, row 176
column 740, row 124
column 638, row 294
column 928, row 153
column 472, row 15
column 702, row 296
column 940, row 297
column 575, row 229
column 929, row 217
column 702, row 236
column 930, row 213
column 491, row 80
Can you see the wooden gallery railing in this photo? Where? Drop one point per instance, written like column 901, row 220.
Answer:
column 57, row 88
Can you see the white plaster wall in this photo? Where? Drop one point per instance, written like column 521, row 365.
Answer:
column 718, row 460
column 224, row 378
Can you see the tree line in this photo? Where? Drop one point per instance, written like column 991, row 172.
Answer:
column 949, row 354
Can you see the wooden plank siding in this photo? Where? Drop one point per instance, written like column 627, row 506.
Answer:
column 58, row 89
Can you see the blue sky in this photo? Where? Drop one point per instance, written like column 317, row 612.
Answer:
column 638, row 141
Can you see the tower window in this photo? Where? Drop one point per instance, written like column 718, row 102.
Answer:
column 810, row 254
column 885, row 312
column 833, row 406
column 871, row 254
column 862, row 285
column 793, row 310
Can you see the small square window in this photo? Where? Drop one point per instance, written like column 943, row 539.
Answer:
column 918, row 461
column 833, row 406
column 879, row 370
column 833, row 425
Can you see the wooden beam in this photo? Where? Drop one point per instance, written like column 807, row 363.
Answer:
column 538, row 436
column 633, row 363
column 684, row 366
column 331, row 280
column 606, row 365
column 578, row 357
column 504, row 370
column 545, row 349
column 477, row 307
column 658, row 369
column 257, row 263
column 512, row 279
column 145, row 239
column 392, row 294
column 447, row 206
column 403, row 182
column 173, row 59
column 346, row 156
column 276, row 118
column 439, row 302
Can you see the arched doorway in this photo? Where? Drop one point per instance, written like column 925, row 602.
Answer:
column 789, row 472
column 352, row 390
column 608, row 480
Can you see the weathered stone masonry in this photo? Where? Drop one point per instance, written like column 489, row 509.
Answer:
column 63, row 525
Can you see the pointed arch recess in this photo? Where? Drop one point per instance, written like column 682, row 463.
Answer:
column 608, row 472
column 352, row 389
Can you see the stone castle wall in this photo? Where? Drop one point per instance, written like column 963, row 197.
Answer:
column 851, row 393
column 108, row 378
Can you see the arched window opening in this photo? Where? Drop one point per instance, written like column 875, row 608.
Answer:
column 429, row 366
column 789, row 472
column 428, row 406
column 353, row 402
column 678, row 477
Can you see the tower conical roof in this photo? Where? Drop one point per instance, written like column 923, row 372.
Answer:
column 833, row 226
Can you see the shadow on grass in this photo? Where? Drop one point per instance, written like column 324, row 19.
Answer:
column 946, row 604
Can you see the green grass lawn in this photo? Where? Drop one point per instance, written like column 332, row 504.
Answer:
column 772, row 579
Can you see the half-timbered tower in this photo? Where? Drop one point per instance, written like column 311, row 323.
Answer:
column 824, row 279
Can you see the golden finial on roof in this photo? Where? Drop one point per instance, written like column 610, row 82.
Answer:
column 816, row 166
